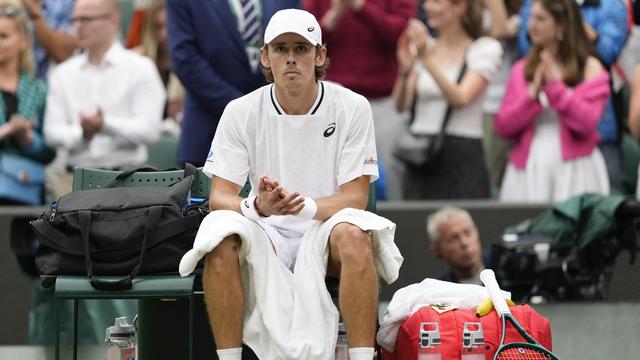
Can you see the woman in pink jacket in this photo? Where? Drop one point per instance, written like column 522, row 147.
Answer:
column 554, row 99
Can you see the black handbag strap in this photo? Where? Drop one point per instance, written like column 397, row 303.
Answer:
column 447, row 114
column 127, row 282
column 438, row 140
column 189, row 169
column 54, row 238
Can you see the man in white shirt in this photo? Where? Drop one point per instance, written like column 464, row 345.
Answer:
column 105, row 104
column 308, row 149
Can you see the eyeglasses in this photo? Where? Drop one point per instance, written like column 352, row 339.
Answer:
column 83, row 20
column 10, row 11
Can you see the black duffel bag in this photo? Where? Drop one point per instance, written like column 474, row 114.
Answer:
column 124, row 231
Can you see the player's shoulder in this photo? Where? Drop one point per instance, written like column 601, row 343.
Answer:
column 339, row 95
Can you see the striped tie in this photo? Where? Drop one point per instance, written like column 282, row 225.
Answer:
column 252, row 33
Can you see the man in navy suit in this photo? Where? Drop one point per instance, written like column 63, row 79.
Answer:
column 215, row 51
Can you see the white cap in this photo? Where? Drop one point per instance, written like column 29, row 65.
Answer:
column 293, row 21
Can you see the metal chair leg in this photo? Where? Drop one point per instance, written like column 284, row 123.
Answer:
column 75, row 329
column 191, row 314
column 56, row 316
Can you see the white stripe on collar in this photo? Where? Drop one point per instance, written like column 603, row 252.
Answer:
column 312, row 110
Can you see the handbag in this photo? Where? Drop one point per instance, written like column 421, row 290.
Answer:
column 21, row 179
column 419, row 149
column 122, row 231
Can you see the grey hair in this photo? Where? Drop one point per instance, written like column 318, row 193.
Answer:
column 441, row 216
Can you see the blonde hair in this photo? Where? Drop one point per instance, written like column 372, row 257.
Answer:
column 26, row 62
column 149, row 43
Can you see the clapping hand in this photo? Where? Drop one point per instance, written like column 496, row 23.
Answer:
column 338, row 8
column 547, row 70
column 419, row 36
column 91, row 124
column 406, row 57
column 536, row 84
column 21, row 130
column 332, row 17
column 274, row 199
column 550, row 68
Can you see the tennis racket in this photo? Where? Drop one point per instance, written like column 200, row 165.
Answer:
column 530, row 350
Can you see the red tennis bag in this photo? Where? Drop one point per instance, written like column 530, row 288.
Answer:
column 463, row 335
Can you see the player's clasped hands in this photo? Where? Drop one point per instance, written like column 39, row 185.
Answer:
column 274, row 199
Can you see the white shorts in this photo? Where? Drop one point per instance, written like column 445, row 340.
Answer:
column 285, row 243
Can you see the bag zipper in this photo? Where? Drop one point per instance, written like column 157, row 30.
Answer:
column 53, row 206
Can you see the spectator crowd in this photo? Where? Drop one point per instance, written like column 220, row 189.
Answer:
column 518, row 100
column 515, row 100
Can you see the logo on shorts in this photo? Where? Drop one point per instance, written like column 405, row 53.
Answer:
column 330, row 130
column 310, row 29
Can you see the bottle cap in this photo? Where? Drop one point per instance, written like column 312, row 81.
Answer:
column 342, row 328
column 121, row 329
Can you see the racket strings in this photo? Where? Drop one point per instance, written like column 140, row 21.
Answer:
column 522, row 353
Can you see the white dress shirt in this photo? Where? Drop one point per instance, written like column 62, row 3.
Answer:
column 126, row 87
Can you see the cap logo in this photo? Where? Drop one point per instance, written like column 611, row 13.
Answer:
column 310, row 29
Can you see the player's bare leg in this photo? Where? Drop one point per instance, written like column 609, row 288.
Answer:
column 352, row 257
column 224, row 294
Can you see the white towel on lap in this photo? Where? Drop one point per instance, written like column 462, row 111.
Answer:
column 291, row 315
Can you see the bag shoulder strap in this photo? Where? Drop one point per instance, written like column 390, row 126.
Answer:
column 447, row 114
column 189, row 169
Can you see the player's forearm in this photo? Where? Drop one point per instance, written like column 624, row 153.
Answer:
column 330, row 205
column 353, row 194
column 222, row 201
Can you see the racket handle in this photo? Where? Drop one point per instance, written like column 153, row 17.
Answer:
column 488, row 278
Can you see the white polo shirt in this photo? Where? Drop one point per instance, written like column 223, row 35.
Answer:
column 312, row 154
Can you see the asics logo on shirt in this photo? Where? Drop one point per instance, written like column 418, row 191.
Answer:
column 330, row 130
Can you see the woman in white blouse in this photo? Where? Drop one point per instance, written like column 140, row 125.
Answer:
column 427, row 73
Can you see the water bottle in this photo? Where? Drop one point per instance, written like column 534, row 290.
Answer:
column 121, row 340
column 429, row 341
column 473, row 342
column 342, row 349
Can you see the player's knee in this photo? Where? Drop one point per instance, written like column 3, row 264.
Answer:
column 354, row 244
column 224, row 258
